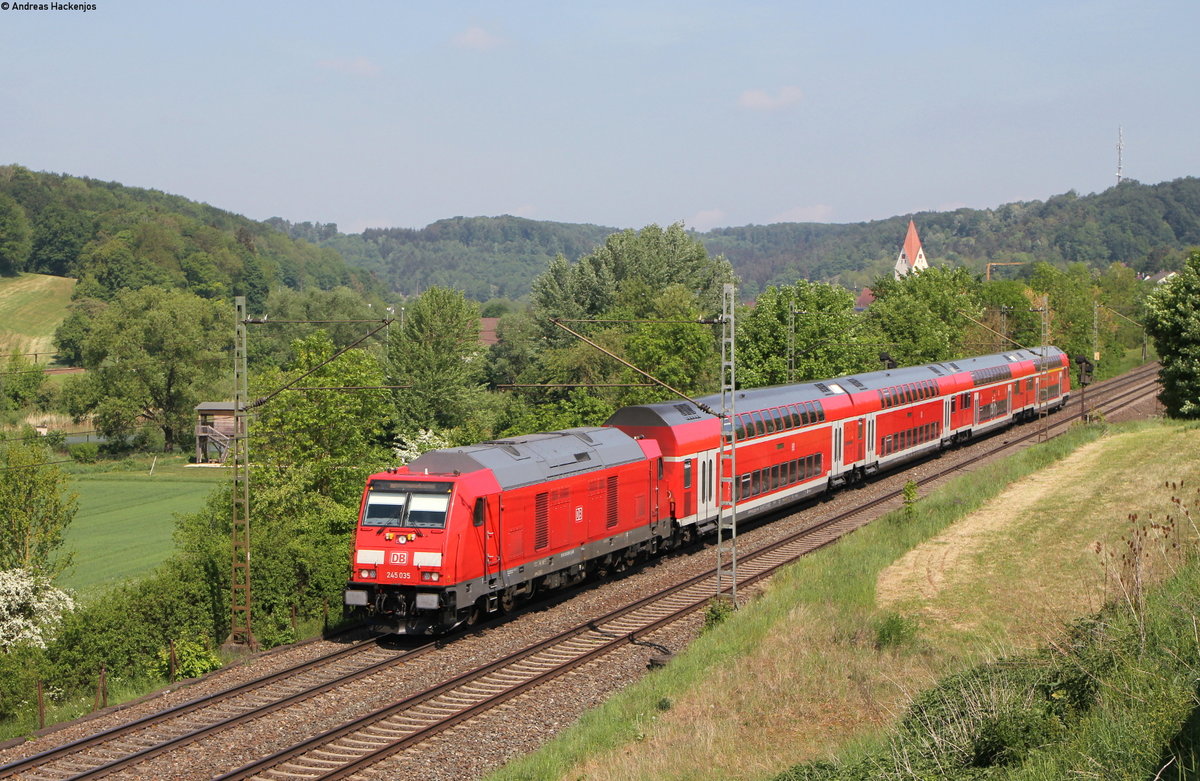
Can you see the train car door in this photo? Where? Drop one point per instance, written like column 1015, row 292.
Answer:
column 835, row 467
column 486, row 520
column 706, row 487
column 852, row 432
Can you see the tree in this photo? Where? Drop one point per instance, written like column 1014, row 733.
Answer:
column 151, row 354
column 437, row 353
column 16, row 237
column 925, row 317
column 830, row 339
column 35, row 509
column 1173, row 322
column 30, row 609
column 335, row 435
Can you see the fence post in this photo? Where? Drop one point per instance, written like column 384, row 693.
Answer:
column 41, row 706
column 293, row 620
column 173, row 669
column 101, row 689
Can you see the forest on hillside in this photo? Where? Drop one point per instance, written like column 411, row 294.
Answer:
column 1147, row 227
column 113, row 238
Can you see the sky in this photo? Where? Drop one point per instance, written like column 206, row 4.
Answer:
column 617, row 113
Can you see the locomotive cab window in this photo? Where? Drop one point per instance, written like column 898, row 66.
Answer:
column 414, row 505
column 480, row 511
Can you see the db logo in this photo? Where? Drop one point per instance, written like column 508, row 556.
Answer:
column 399, row 557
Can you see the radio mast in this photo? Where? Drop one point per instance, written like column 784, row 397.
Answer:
column 1120, row 150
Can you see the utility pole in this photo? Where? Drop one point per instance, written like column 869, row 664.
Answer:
column 1044, row 430
column 727, row 453
column 241, row 635
column 791, row 345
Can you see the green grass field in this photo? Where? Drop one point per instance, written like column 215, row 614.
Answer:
column 125, row 519
column 31, row 307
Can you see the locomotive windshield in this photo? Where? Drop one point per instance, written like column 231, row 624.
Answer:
column 407, row 504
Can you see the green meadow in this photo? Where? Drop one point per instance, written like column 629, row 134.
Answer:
column 127, row 515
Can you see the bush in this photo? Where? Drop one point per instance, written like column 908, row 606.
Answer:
column 719, row 608
column 192, row 660
column 84, row 452
column 893, row 629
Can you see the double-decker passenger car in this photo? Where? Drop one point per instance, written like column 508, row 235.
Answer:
column 462, row 532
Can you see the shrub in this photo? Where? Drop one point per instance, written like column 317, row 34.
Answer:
column 84, row 452
column 192, row 660
column 893, row 629
column 719, row 608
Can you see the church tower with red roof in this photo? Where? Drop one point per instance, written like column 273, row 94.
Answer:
column 912, row 255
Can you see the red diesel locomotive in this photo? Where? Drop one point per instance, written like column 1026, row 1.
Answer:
column 466, row 531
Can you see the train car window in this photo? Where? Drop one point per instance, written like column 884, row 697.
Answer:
column 775, row 476
column 660, row 468
column 793, row 416
column 745, row 492
column 760, row 428
column 385, row 509
column 820, row 413
column 743, row 426
column 953, row 404
column 1029, row 384
column 428, row 512
column 780, row 422
column 768, row 421
column 480, row 511
column 687, row 473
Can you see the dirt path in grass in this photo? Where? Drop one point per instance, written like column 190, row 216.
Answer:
column 1040, row 554
column 922, row 573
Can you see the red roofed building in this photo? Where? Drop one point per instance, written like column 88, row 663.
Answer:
column 912, row 255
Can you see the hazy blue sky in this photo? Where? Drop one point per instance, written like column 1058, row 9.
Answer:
column 618, row 113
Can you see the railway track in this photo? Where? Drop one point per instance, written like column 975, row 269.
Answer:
column 385, row 732
column 168, row 730
column 361, row 743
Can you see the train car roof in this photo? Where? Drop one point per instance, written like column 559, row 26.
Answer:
column 675, row 413
column 534, row 458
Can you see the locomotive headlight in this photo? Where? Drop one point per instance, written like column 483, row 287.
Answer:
column 366, row 573
column 431, row 576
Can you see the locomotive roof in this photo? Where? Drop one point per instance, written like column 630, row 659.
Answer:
column 675, row 413
column 533, row 458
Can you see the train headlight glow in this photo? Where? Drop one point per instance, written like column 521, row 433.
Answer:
column 366, row 573
column 431, row 576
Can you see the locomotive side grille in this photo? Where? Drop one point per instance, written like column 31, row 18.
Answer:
column 541, row 521
column 612, row 502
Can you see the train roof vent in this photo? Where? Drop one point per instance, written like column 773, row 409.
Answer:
column 583, row 457
column 823, row 388
column 933, row 368
column 688, row 411
column 582, row 435
column 854, row 381
column 955, row 366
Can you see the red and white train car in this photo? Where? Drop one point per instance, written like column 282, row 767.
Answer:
column 466, row 531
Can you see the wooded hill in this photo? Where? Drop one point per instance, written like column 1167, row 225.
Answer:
column 1144, row 226
column 112, row 237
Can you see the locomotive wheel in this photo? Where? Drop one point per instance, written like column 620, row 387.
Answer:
column 507, row 602
column 474, row 616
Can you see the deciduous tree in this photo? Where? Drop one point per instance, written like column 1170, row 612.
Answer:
column 151, row 355
column 1173, row 321
column 35, row 509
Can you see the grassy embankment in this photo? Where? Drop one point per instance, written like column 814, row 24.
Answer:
column 827, row 660
column 31, row 307
column 126, row 516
